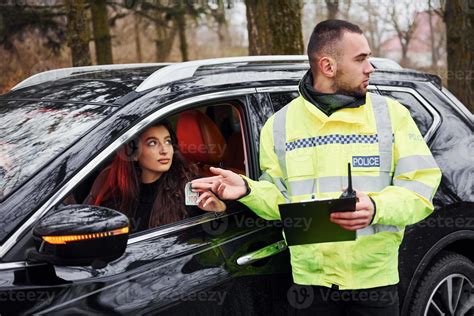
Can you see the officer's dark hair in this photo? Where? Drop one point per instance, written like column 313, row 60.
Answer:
column 325, row 35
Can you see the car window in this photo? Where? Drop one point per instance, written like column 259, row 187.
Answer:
column 33, row 132
column 280, row 99
column 208, row 135
column 420, row 114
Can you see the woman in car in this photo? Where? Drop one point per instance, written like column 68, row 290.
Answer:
column 146, row 181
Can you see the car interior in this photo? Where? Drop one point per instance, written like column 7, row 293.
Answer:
column 211, row 140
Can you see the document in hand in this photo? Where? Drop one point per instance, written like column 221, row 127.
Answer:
column 308, row 222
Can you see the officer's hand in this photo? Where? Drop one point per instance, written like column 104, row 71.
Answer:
column 226, row 185
column 360, row 218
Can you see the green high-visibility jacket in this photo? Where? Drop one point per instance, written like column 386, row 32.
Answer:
column 303, row 153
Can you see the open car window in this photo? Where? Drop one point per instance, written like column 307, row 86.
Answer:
column 208, row 136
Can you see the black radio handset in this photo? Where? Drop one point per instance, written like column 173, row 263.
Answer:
column 349, row 192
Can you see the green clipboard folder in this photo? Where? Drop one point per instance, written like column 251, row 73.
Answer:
column 308, row 222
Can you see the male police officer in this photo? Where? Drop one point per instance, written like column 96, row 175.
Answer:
column 305, row 148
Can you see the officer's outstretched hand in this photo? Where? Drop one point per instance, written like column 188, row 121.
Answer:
column 359, row 219
column 226, row 185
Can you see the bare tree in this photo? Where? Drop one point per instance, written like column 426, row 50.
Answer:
column 100, row 26
column 171, row 19
column 332, row 8
column 219, row 16
column 404, row 24
column 47, row 21
column 78, row 34
column 274, row 27
column 374, row 27
column 180, row 19
column 138, row 44
column 460, row 46
column 346, row 8
column 437, row 32
column 165, row 36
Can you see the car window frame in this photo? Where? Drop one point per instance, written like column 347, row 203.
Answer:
column 88, row 169
column 436, row 116
column 277, row 89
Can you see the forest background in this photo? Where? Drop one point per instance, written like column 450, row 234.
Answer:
column 427, row 35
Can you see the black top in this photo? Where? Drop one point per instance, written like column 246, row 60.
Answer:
column 146, row 199
column 140, row 220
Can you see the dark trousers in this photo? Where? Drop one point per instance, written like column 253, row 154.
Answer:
column 318, row 300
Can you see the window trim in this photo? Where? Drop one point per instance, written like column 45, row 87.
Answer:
column 436, row 117
column 292, row 88
column 98, row 159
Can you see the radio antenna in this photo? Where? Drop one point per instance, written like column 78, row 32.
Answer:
column 349, row 192
column 349, row 178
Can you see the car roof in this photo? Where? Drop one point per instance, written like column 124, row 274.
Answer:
column 106, row 84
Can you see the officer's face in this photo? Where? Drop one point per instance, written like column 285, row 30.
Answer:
column 353, row 67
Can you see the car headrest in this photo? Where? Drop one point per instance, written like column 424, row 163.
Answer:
column 200, row 140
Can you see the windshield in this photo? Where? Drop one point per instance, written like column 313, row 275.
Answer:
column 34, row 132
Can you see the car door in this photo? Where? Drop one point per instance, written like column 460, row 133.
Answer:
column 199, row 264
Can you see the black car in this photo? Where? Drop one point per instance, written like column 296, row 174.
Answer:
column 60, row 128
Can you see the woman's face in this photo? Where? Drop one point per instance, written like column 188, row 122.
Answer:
column 156, row 153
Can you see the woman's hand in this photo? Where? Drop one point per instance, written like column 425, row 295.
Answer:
column 207, row 201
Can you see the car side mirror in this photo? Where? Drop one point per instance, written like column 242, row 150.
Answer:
column 80, row 235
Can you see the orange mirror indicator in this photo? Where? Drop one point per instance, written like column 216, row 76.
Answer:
column 56, row 240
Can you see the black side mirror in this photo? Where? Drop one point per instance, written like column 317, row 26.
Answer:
column 80, row 235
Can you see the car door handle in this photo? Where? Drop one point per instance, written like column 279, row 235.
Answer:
column 265, row 252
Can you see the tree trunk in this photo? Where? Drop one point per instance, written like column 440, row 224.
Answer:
column 102, row 39
column 165, row 34
column 183, row 42
column 219, row 15
column 404, row 61
column 346, row 9
column 164, row 41
column 434, row 55
column 372, row 29
column 78, row 35
column 460, row 47
column 274, row 27
column 333, row 8
column 259, row 34
column 138, row 44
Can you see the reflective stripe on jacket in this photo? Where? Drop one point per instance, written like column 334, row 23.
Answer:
column 303, row 153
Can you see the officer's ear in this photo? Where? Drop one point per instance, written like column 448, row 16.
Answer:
column 328, row 66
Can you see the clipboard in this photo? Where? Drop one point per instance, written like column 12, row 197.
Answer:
column 308, row 222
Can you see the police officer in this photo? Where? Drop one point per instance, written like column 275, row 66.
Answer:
column 305, row 148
